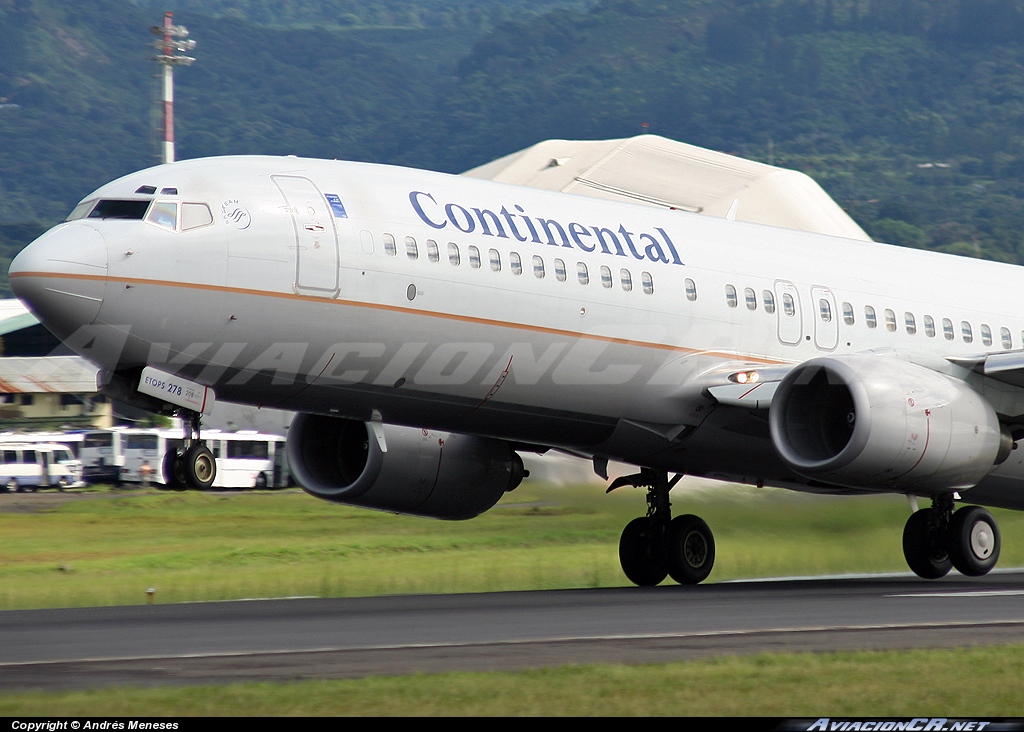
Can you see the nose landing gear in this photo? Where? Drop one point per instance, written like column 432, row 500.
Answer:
column 194, row 466
column 656, row 545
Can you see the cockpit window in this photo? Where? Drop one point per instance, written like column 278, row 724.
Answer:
column 113, row 209
column 194, row 215
column 81, row 210
column 165, row 214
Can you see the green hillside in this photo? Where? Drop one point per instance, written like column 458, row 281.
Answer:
column 910, row 113
column 467, row 15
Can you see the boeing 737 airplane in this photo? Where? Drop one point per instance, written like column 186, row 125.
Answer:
column 428, row 328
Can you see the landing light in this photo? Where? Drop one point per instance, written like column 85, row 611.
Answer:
column 745, row 377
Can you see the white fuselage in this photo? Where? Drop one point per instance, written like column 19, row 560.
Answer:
column 354, row 290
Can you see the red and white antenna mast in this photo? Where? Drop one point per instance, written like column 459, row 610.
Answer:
column 171, row 42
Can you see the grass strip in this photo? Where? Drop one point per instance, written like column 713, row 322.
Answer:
column 109, row 548
column 972, row 682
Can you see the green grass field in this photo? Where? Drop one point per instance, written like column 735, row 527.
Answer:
column 105, row 547
column 108, row 548
column 973, row 682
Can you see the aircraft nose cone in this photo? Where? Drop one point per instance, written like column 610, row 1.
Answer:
column 61, row 276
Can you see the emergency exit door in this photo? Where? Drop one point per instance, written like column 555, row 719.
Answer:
column 826, row 320
column 790, row 322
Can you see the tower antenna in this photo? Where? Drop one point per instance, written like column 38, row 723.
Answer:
column 171, row 43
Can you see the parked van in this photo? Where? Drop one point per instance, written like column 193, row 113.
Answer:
column 32, row 466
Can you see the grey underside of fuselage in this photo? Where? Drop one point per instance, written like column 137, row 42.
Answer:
column 216, row 334
column 199, row 343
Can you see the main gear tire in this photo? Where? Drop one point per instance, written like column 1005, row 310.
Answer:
column 690, row 550
column 924, row 546
column 640, row 553
column 973, row 541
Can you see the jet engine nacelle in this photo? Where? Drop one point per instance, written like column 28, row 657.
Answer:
column 423, row 472
column 868, row 422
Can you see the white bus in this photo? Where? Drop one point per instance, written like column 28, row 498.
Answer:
column 246, row 459
column 35, row 465
column 71, row 439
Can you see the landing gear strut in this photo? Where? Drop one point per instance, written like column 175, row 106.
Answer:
column 194, row 466
column 936, row 539
column 656, row 545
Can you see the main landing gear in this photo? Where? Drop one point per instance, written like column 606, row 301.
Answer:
column 936, row 539
column 193, row 466
column 657, row 545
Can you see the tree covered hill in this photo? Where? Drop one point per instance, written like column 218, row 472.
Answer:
column 474, row 16
column 909, row 112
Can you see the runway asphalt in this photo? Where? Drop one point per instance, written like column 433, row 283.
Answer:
column 288, row 639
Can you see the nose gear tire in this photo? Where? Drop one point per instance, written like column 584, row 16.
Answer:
column 199, row 467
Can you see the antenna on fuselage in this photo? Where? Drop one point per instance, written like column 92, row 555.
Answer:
column 171, row 43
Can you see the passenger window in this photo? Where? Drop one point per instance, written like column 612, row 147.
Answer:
column 929, row 326
column 648, row 283
column 691, row 290
column 474, row 257
column 1004, row 336
column 750, row 298
column 560, row 270
column 164, row 214
column 538, row 267
column 986, row 335
column 890, row 321
column 195, row 215
column 433, row 254
column 582, row 274
column 947, row 329
column 910, row 322
column 730, row 296
column 411, row 249
column 453, row 254
column 788, row 304
column 966, row 332
column 606, row 277
column 825, row 310
column 869, row 317
column 389, row 245
column 495, row 259
column 516, row 262
column 769, row 301
column 627, row 280
column 848, row 313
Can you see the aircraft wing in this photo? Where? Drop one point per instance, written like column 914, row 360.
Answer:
column 656, row 171
column 1007, row 367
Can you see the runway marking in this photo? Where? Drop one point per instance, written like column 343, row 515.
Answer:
column 848, row 576
column 528, row 641
column 962, row 593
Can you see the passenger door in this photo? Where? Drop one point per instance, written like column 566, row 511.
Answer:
column 316, row 239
